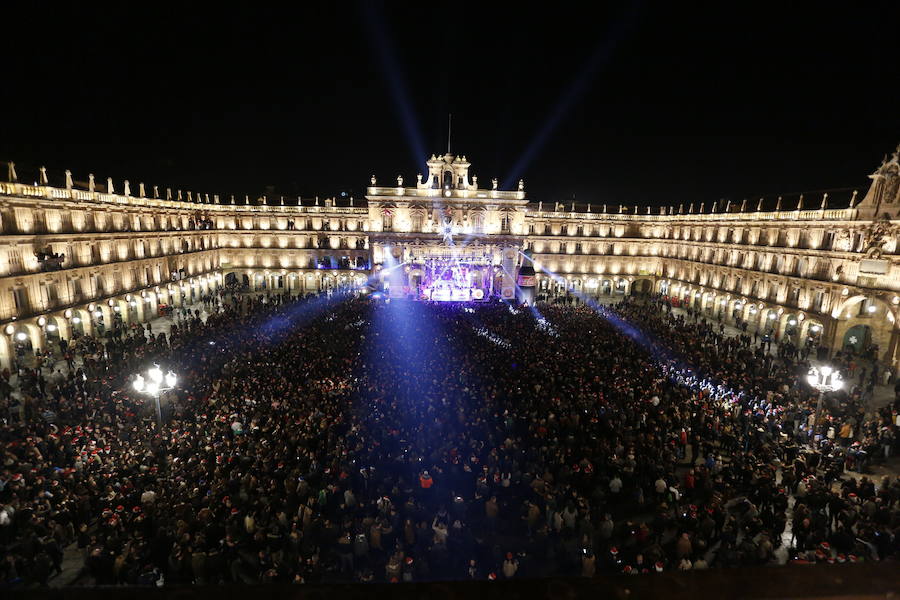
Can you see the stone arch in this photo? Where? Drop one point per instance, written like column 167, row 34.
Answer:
column 768, row 322
column 812, row 329
column 789, row 327
column 879, row 319
column 124, row 311
column 5, row 353
column 851, row 301
column 32, row 339
column 175, row 295
column 57, row 328
column 81, row 323
column 643, row 286
column 735, row 310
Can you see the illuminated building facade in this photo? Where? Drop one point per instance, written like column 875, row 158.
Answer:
column 80, row 257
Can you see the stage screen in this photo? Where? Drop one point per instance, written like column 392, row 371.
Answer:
column 453, row 280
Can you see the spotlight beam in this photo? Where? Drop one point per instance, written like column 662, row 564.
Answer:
column 574, row 92
column 375, row 24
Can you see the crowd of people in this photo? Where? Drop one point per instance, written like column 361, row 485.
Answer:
column 335, row 439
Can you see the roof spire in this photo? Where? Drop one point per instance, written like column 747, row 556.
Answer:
column 449, row 124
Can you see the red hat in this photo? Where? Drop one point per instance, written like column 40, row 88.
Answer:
column 492, row 576
column 659, row 566
column 853, row 558
column 509, row 556
column 841, row 558
column 627, row 569
column 234, row 511
column 120, row 508
column 409, row 560
column 136, row 509
column 613, row 550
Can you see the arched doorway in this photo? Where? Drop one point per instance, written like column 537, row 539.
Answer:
column 791, row 328
column 606, row 287
column 23, row 348
column 642, row 287
column 5, row 353
column 53, row 334
column 857, row 338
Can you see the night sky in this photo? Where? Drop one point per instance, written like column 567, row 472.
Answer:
column 638, row 103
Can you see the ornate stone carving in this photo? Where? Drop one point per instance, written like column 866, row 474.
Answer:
column 876, row 236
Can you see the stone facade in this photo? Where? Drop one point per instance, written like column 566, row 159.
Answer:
column 74, row 259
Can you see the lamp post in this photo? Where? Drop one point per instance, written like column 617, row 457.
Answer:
column 823, row 379
column 154, row 385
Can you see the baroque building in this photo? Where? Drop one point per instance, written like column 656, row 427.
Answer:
column 82, row 258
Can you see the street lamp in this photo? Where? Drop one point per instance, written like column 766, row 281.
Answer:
column 154, row 384
column 824, row 379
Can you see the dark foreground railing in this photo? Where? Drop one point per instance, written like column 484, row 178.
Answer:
column 813, row 581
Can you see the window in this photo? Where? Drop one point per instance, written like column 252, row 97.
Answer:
column 478, row 222
column 49, row 296
column 20, row 300
column 76, row 290
column 818, row 299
